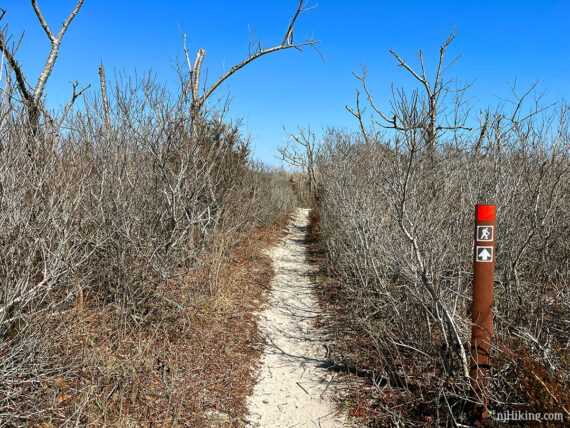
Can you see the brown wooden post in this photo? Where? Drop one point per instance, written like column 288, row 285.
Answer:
column 482, row 316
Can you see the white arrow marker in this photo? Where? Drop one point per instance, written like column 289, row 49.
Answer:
column 484, row 254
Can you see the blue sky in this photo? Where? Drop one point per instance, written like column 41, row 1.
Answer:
column 499, row 40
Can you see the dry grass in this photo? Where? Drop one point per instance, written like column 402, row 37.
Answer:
column 191, row 366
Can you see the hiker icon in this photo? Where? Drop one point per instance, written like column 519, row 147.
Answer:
column 485, row 233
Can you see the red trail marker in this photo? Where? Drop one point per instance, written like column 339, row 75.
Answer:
column 482, row 315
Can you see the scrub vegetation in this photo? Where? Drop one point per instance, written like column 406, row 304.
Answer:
column 132, row 231
column 392, row 229
column 134, row 224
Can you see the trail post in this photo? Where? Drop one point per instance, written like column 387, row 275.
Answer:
column 481, row 315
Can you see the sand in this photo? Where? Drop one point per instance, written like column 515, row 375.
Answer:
column 293, row 389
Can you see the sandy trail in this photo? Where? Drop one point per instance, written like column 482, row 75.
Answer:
column 292, row 388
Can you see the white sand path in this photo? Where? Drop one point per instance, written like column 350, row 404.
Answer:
column 293, row 388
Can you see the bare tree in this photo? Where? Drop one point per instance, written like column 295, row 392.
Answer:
column 32, row 95
column 300, row 152
column 435, row 91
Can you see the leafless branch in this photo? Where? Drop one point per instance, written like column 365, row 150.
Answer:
column 42, row 20
column 55, row 43
column 358, row 115
column 15, row 66
column 287, row 43
column 402, row 63
column 74, row 96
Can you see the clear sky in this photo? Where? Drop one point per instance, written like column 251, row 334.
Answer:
column 499, row 40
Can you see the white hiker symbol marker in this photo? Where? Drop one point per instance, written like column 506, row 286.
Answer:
column 485, row 233
column 484, row 254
